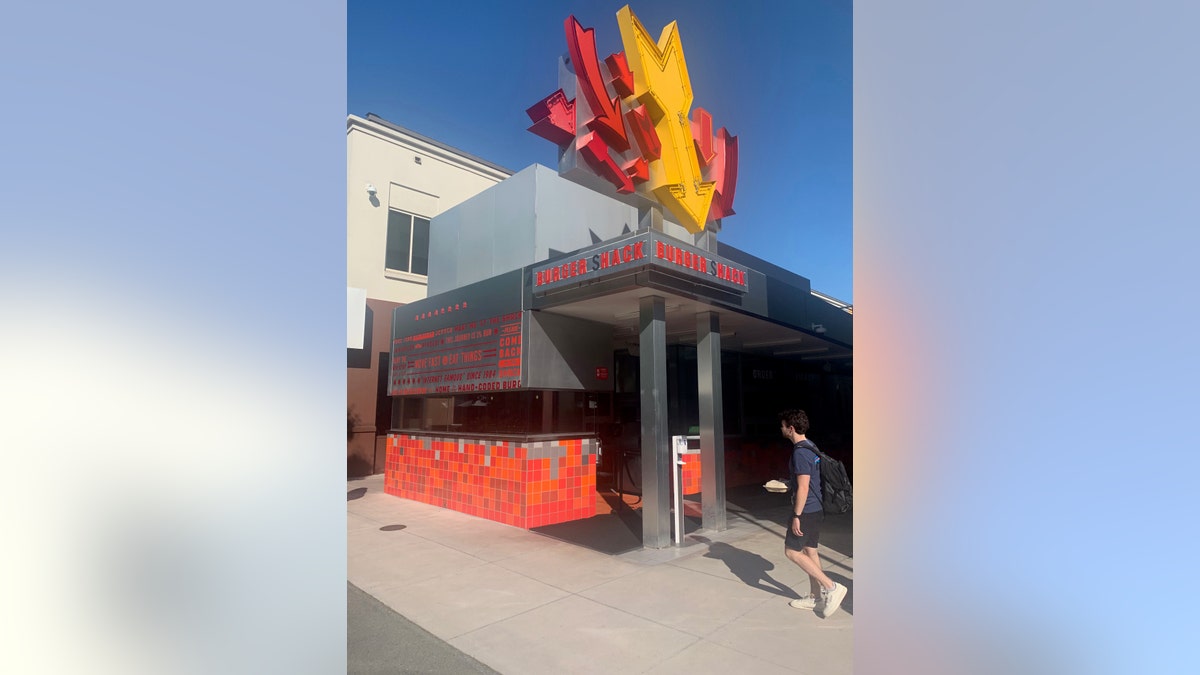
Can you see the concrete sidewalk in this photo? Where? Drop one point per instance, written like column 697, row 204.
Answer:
column 521, row 602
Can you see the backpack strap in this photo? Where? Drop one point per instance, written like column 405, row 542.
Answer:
column 820, row 457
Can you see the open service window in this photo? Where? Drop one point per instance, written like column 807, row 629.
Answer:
column 513, row 412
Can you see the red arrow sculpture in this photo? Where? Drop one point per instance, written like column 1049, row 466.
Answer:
column 607, row 119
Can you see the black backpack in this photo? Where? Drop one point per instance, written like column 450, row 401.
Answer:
column 837, row 495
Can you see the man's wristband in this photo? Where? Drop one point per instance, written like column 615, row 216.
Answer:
column 796, row 516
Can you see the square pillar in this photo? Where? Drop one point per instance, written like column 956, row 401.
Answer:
column 656, row 452
column 712, row 422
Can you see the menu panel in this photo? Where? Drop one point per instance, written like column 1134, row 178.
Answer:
column 466, row 340
column 480, row 355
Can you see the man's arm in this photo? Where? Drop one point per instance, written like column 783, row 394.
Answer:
column 802, row 480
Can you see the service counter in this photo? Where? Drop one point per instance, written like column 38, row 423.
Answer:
column 526, row 480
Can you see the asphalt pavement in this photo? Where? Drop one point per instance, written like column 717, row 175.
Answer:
column 381, row 641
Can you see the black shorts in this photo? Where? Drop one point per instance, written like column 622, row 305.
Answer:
column 810, row 523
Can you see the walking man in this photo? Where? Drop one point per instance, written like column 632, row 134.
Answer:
column 804, row 531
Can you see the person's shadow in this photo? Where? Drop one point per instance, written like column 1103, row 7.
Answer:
column 751, row 568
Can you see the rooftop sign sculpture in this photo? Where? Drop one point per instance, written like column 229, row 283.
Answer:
column 632, row 127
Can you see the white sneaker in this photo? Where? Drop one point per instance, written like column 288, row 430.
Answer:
column 804, row 602
column 831, row 600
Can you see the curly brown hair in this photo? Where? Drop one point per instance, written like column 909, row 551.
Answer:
column 796, row 419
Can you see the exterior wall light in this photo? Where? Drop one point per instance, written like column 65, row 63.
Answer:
column 371, row 190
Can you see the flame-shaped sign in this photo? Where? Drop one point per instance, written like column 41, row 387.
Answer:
column 663, row 155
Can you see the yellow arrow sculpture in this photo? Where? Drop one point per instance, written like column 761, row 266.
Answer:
column 661, row 83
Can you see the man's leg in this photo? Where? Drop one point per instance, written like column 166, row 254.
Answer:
column 812, row 581
column 811, row 565
column 830, row 595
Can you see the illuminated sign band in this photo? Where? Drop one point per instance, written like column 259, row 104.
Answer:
column 616, row 257
column 649, row 250
column 700, row 262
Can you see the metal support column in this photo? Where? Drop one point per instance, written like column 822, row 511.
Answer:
column 706, row 239
column 650, row 217
column 656, row 454
column 712, row 423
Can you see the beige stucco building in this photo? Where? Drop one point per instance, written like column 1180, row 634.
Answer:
column 396, row 182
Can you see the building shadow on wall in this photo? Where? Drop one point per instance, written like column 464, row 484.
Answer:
column 357, row 465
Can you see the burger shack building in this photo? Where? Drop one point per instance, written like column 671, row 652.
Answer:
column 577, row 320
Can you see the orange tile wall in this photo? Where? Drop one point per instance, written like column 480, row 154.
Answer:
column 691, row 474
column 521, row 484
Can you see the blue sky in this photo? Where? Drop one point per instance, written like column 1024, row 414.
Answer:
column 776, row 74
